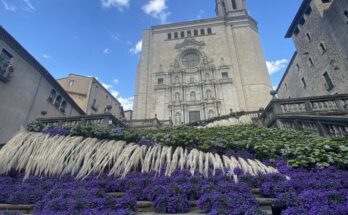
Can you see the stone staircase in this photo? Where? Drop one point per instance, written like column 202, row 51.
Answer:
column 145, row 207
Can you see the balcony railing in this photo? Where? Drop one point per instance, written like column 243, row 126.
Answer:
column 100, row 119
column 148, row 123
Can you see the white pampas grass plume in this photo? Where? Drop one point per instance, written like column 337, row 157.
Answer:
column 43, row 155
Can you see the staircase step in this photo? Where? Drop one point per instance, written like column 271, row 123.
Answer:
column 265, row 201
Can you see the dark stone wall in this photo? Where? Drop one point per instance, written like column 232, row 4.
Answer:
column 326, row 25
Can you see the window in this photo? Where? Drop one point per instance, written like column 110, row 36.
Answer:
column 193, row 96
column 160, row 81
column 195, row 32
column 209, row 31
column 71, row 83
column 322, row 48
column 296, row 31
column 234, row 5
column 52, row 95
column 325, row 1
column 224, row 75
column 182, row 34
column 188, row 33
column 191, row 59
column 309, row 38
column 202, row 31
column 329, row 85
column 96, row 88
column 94, row 104
column 63, row 107
column 176, row 35
column 298, row 67
column 304, row 83
column 169, row 36
column 310, row 62
column 58, row 101
column 345, row 13
column 302, row 21
column 6, row 68
column 308, row 11
column 286, row 86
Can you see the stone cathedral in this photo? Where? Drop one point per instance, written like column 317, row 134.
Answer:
column 197, row 70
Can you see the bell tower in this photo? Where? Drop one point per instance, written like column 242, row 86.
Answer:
column 229, row 8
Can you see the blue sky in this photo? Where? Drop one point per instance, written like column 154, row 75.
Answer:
column 101, row 38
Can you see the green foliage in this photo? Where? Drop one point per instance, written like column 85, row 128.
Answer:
column 99, row 132
column 35, row 126
column 301, row 149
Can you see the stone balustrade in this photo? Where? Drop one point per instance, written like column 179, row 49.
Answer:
column 324, row 115
column 100, row 119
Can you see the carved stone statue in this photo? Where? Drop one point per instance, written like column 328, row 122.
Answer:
column 177, row 79
column 193, row 96
column 208, row 94
column 7, row 70
column 177, row 97
column 178, row 118
column 210, row 114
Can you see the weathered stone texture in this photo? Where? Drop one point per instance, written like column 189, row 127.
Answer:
column 84, row 90
column 26, row 94
column 231, row 73
column 326, row 26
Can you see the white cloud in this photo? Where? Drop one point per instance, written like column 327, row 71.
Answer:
column 107, row 86
column 127, row 103
column 25, row 5
column 9, row 7
column 157, row 9
column 200, row 14
column 106, row 51
column 47, row 56
column 276, row 66
column 119, row 4
column 116, row 36
column 138, row 47
column 28, row 6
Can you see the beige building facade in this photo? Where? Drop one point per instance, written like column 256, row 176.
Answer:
column 196, row 70
column 320, row 64
column 91, row 96
column 27, row 90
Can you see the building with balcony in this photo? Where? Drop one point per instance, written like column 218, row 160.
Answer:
column 91, row 96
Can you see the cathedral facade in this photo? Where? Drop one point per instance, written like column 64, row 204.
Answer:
column 197, row 70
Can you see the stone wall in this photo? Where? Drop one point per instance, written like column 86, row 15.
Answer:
column 232, row 48
column 84, row 90
column 321, row 44
column 26, row 93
